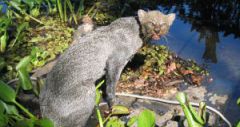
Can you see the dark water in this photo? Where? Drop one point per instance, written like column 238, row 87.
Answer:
column 209, row 33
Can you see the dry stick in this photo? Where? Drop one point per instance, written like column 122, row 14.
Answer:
column 175, row 103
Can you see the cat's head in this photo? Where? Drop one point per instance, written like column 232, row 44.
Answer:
column 154, row 23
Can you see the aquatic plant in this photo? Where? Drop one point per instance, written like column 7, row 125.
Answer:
column 145, row 119
column 194, row 119
column 156, row 57
column 10, row 116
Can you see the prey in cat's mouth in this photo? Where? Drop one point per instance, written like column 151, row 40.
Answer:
column 155, row 24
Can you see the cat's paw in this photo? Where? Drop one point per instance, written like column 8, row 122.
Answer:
column 113, row 101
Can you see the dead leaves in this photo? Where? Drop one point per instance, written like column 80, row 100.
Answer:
column 147, row 79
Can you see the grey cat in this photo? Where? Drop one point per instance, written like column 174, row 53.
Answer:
column 69, row 95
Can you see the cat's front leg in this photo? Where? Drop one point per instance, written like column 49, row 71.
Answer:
column 114, row 69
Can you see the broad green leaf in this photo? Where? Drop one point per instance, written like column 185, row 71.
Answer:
column 45, row 122
column 146, row 119
column 3, row 120
column 10, row 109
column 195, row 115
column 24, row 78
column 115, row 122
column 238, row 125
column 119, row 110
column 25, row 123
column 182, row 99
column 132, row 121
column 7, row 94
column 2, row 108
column 24, row 62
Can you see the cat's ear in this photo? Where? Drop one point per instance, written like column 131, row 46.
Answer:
column 171, row 18
column 141, row 15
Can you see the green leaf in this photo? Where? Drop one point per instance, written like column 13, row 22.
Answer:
column 35, row 12
column 195, row 115
column 24, row 62
column 238, row 125
column 25, row 123
column 238, row 101
column 3, row 120
column 115, row 122
column 16, row 5
column 2, row 108
column 30, row 3
column 7, row 94
column 181, row 97
column 202, row 111
column 98, row 97
column 71, row 8
column 1, row 7
column 188, row 111
column 45, row 122
column 24, row 78
column 20, row 28
column 132, row 121
column 2, row 63
column 98, row 93
column 146, row 119
column 3, row 42
column 10, row 109
column 119, row 110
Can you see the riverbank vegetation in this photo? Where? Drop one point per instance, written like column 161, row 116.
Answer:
column 35, row 32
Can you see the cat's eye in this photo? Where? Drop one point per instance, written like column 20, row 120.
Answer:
column 150, row 24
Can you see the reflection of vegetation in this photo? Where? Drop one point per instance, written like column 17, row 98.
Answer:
column 211, row 40
column 206, row 17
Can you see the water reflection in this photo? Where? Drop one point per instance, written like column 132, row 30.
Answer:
column 216, row 26
column 208, row 32
column 208, row 18
column 211, row 39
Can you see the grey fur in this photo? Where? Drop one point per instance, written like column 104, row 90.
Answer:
column 69, row 95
